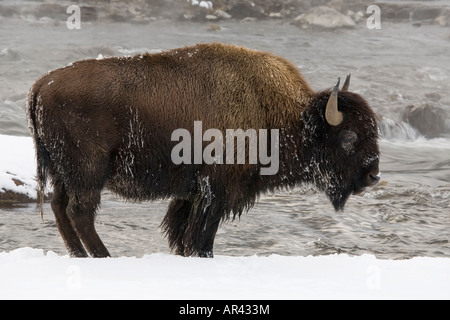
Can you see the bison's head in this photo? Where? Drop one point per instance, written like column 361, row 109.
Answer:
column 341, row 144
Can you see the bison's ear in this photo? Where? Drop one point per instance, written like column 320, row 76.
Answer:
column 332, row 115
column 346, row 83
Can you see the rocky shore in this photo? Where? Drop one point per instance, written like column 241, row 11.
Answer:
column 302, row 13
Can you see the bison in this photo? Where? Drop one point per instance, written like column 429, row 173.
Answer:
column 108, row 123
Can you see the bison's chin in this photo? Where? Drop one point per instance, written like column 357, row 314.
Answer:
column 338, row 198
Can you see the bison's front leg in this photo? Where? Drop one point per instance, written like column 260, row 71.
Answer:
column 191, row 226
column 201, row 230
column 175, row 222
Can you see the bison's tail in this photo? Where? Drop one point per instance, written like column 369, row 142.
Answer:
column 34, row 113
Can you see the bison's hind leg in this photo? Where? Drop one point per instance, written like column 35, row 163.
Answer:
column 59, row 206
column 81, row 209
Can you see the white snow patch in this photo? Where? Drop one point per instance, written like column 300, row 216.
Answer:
column 132, row 52
column 28, row 273
column 17, row 161
column 202, row 4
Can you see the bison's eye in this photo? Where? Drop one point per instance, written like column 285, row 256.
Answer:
column 348, row 139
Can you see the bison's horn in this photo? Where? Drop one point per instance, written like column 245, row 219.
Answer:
column 346, row 83
column 332, row 115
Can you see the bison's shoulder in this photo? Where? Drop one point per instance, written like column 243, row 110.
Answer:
column 272, row 77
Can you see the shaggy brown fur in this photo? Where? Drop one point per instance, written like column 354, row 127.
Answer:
column 108, row 124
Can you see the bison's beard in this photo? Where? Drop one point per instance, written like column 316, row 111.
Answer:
column 340, row 191
column 339, row 197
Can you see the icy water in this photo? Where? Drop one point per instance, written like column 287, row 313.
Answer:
column 406, row 215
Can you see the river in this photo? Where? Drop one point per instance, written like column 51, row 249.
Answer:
column 406, row 215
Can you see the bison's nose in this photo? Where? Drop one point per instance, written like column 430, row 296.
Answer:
column 373, row 178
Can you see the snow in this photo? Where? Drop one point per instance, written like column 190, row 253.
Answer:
column 28, row 273
column 202, row 4
column 17, row 161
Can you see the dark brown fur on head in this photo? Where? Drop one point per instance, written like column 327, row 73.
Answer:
column 345, row 157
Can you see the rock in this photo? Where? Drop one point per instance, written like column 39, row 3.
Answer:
column 244, row 9
column 140, row 19
column 429, row 120
column 412, row 12
column 396, row 12
column 8, row 198
column 324, row 17
column 88, row 13
column 51, row 10
column 276, row 15
column 222, row 14
column 248, row 20
column 188, row 16
column 426, row 13
column 9, row 11
column 198, row 11
column 443, row 20
column 118, row 17
column 213, row 27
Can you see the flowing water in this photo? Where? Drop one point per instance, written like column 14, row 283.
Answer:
column 406, row 215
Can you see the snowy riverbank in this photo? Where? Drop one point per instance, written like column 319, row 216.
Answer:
column 32, row 274
column 17, row 169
